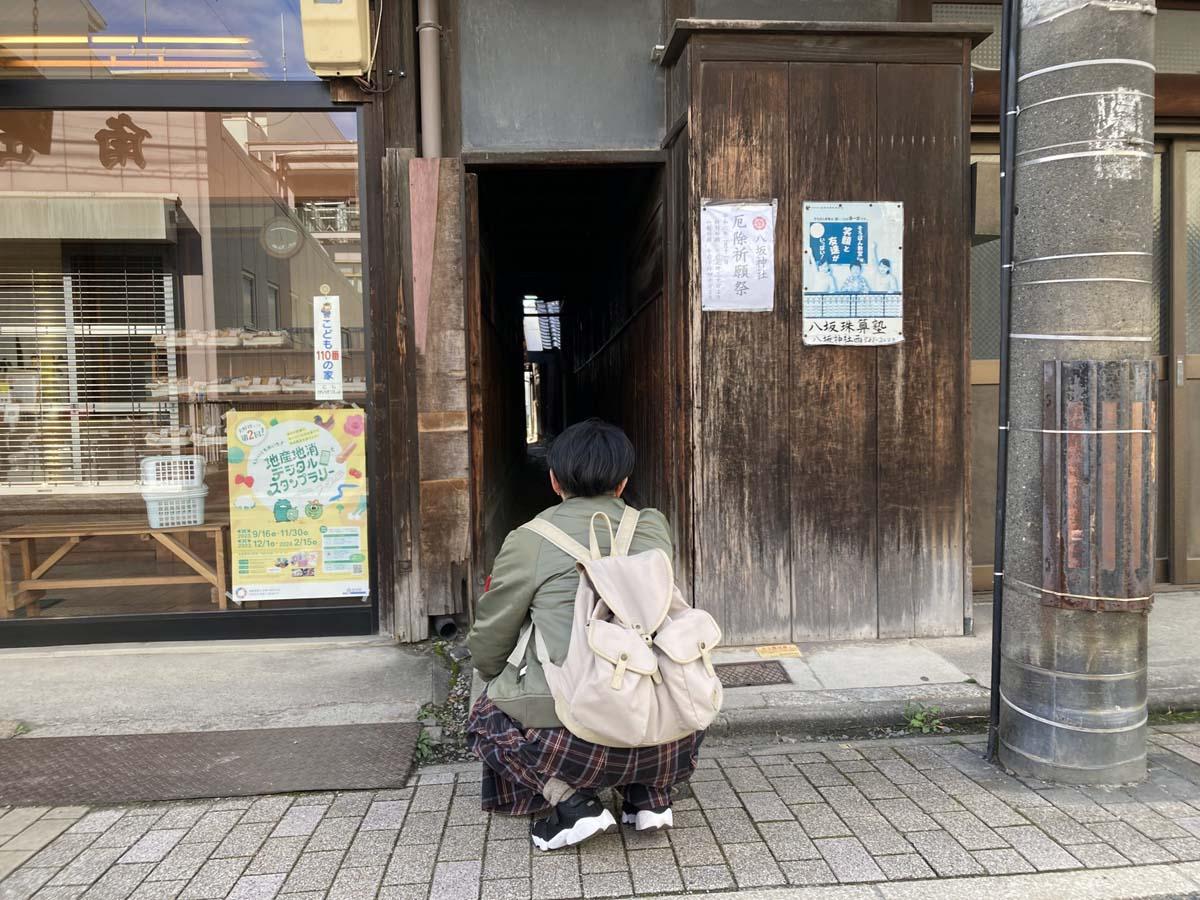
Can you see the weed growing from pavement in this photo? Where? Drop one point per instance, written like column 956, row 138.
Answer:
column 925, row 719
column 444, row 737
column 1175, row 717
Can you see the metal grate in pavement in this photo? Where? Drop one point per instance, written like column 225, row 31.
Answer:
column 752, row 674
column 153, row 767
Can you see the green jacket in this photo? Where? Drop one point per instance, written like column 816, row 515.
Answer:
column 532, row 578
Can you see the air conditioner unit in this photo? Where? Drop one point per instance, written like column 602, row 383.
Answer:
column 337, row 36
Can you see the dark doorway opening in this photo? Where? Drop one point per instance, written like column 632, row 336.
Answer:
column 568, row 318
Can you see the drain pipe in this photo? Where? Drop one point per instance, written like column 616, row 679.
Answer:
column 1009, row 38
column 429, row 38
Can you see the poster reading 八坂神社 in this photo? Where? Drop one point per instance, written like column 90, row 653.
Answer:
column 298, row 504
column 853, row 273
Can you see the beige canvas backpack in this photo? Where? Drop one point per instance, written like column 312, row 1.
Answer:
column 638, row 670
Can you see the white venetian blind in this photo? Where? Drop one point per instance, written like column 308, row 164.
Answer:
column 77, row 355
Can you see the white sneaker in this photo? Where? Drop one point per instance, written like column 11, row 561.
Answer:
column 647, row 819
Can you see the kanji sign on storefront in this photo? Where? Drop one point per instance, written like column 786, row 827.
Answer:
column 737, row 255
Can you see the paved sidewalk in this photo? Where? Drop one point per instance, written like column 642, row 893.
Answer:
column 872, row 817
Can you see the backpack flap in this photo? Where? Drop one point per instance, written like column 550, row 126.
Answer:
column 636, row 589
column 689, row 635
column 623, row 647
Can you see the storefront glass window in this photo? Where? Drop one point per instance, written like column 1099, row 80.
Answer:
column 152, row 39
column 172, row 327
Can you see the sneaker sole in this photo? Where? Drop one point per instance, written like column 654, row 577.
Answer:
column 579, row 832
column 647, row 820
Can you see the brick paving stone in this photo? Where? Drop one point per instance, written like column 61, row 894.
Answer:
column 1145, row 820
column 154, row 845
column 503, row 827
column 853, row 765
column 782, row 769
column 1186, row 848
column 1076, row 805
column 214, row 880
column 689, row 818
column 357, row 883
column 604, row 853
column 702, row 775
column 658, row 839
column 508, row 858
column 332, row 834
column 245, row 840
column 849, row 860
column 503, row 889
column 153, row 890
column 462, row 842
column 37, row 835
column 464, row 811
column 351, row 804
column 875, row 786
column 557, row 877
column 118, row 882
column 808, row 872
column 707, row 878
column 715, row 795
column 654, row 871
column 607, row 884
column 61, row 850
column 1003, row 862
column 944, row 854
column 966, row 828
column 182, row 862
column 97, row 821
column 411, row 865
column 430, row 797
column 1059, row 826
column 819, row 820
column 1098, row 856
column 993, row 812
column 371, row 848
column 313, row 871
column 879, row 837
column 786, row 840
column 735, row 762
column 256, row 887
column 126, row 832
column 299, row 821
column 834, row 754
column 795, row 789
column 930, row 797
column 904, row 867
column 456, row 881
column 823, row 775
column 275, row 856
column 848, row 801
column 753, row 866
column 74, row 813
column 267, row 809
column 422, row 828
column 17, row 820
column 87, row 866
column 766, row 807
column 321, row 798
column 898, row 771
column 239, row 803
column 398, row 794
column 1033, row 843
column 906, row 815
column 732, row 826
column 182, row 815
column 1128, row 842
column 212, row 826
column 25, row 883
column 693, row 847
column 747, row 780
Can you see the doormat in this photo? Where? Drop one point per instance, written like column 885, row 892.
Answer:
column 191, row 765
column 752, row 674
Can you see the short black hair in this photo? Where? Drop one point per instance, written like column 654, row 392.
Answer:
column 591, row 458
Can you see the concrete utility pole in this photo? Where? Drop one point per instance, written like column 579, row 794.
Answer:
column 1078, row 563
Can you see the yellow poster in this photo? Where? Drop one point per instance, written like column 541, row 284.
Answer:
column 298, row 504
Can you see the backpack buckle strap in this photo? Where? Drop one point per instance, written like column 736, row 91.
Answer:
column 618, row 678
column 706, row 656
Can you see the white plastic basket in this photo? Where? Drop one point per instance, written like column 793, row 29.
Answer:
column 173, row 509
column 173, row 472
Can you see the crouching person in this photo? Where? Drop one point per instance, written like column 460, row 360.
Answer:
column 590, row 567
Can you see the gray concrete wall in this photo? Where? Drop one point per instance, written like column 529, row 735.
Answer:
column 544, row 74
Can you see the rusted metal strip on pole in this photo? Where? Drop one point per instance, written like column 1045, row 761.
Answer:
column 1078, row 560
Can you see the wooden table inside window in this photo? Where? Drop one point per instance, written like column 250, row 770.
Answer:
column 37, row 577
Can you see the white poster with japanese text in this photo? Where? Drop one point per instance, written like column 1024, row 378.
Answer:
column 327, row 347
column 737, row 255
column 853, row 273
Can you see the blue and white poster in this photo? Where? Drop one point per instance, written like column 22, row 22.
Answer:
column 853, row 287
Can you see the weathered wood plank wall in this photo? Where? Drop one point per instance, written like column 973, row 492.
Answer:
column 442, row 411
column 830, row 483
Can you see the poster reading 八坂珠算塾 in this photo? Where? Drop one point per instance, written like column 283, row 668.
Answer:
column 298, row 504
column 853, row 273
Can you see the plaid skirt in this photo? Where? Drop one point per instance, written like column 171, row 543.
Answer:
column 518, row 761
